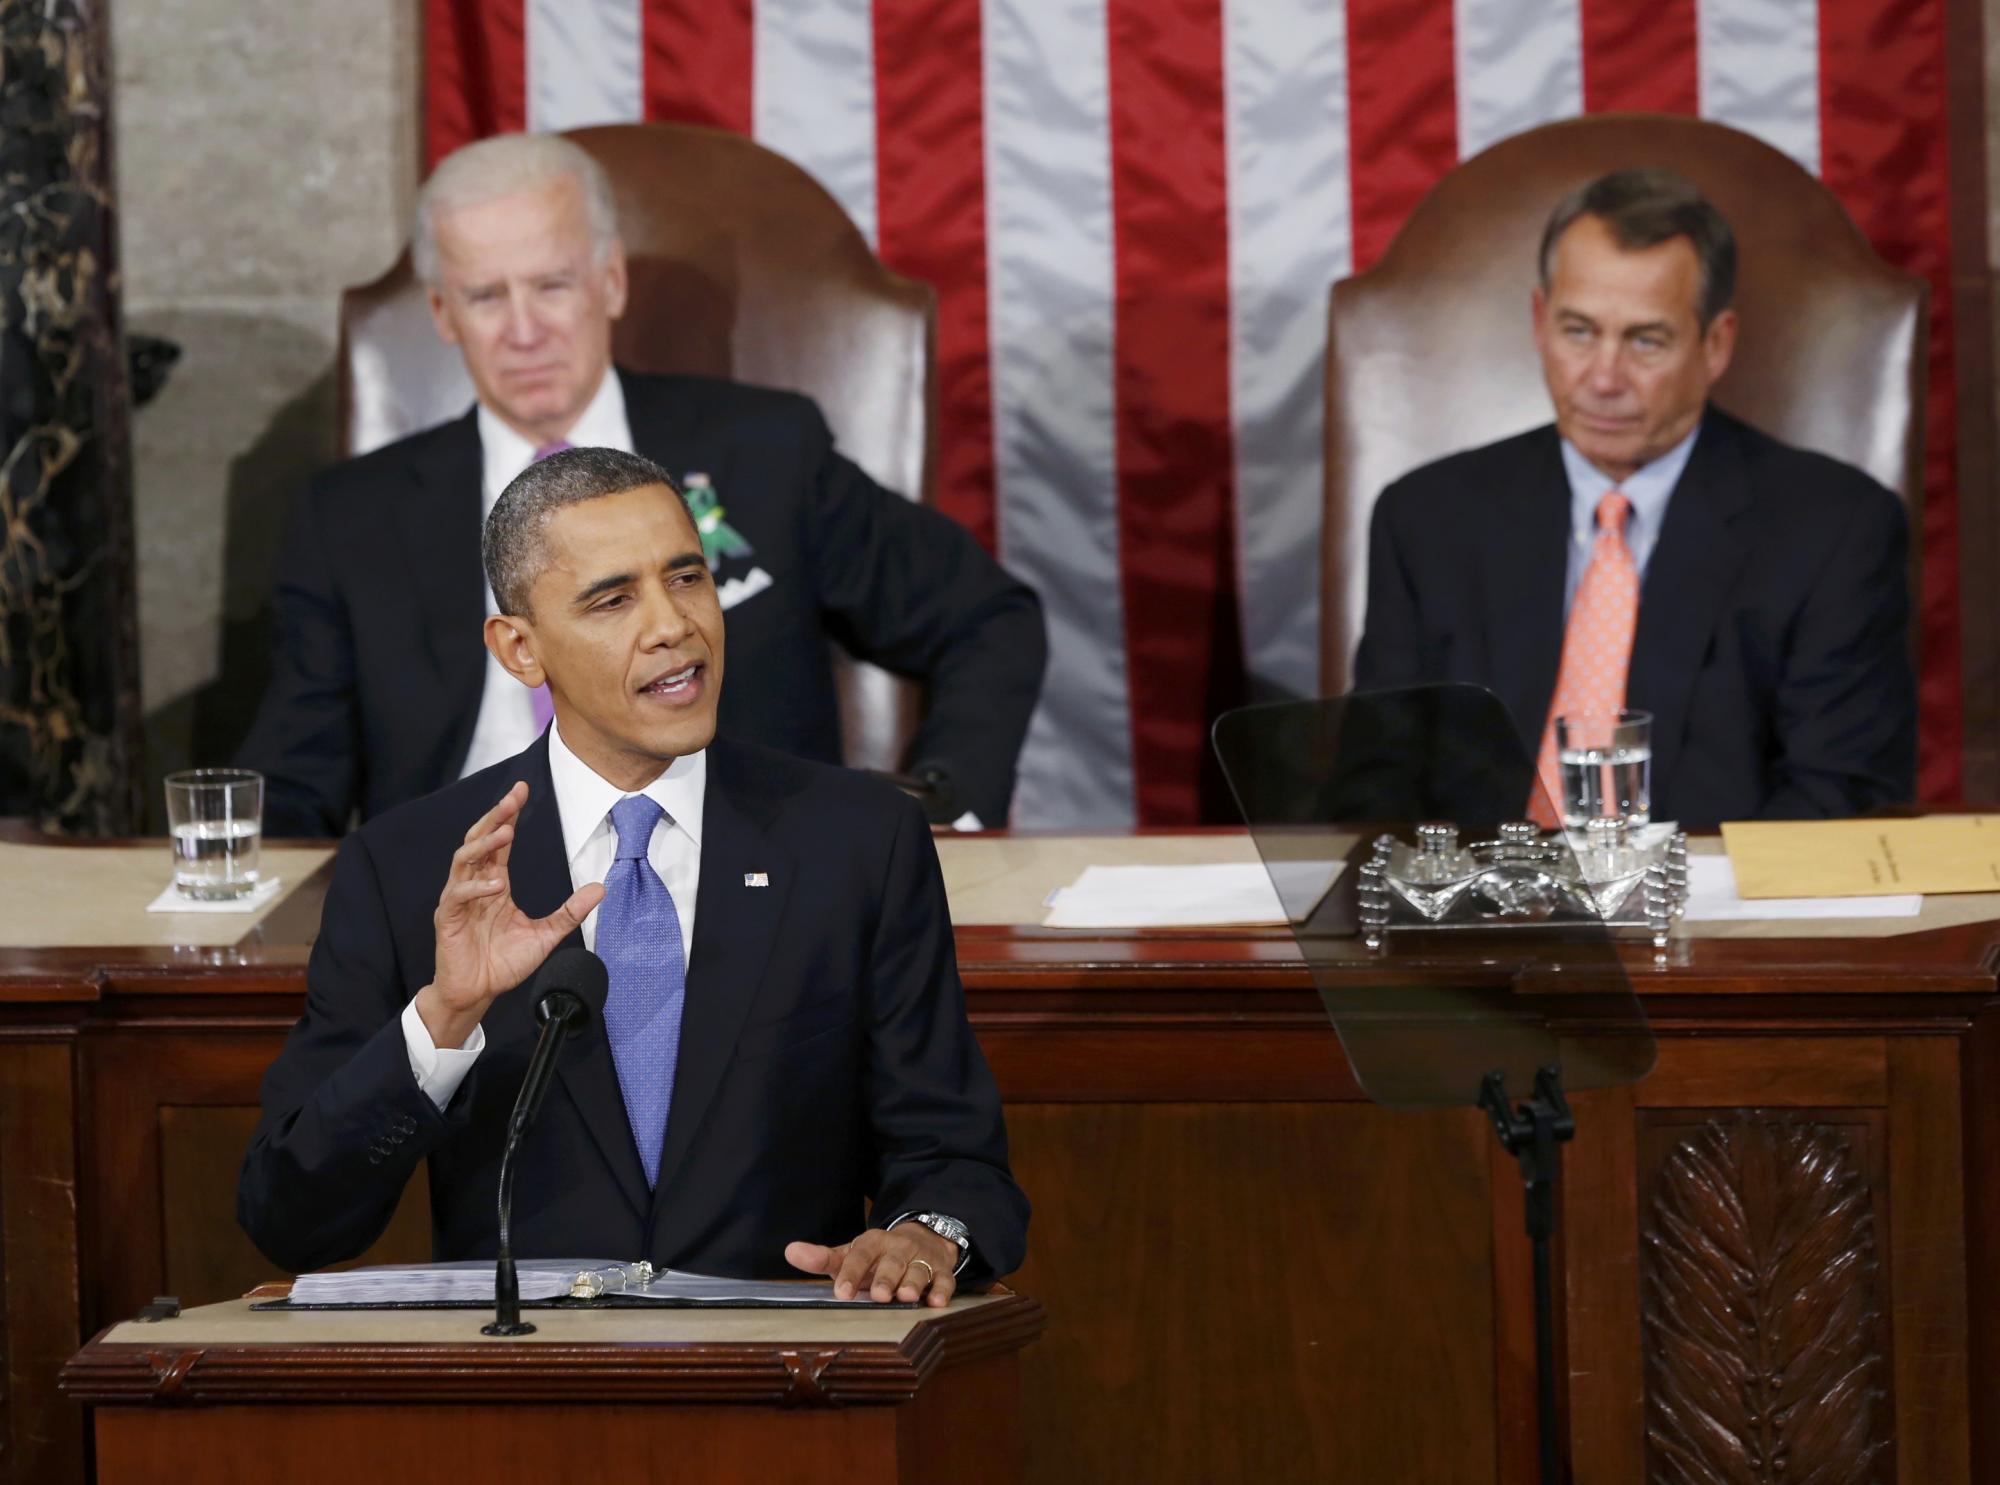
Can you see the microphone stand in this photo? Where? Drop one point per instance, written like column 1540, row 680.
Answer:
column 560, row 1013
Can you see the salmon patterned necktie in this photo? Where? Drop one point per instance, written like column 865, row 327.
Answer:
column 1597, row 647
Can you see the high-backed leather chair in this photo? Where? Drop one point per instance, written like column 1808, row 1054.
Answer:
column 1431, row 351
column 741, row 266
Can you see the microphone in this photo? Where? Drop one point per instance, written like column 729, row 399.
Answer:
column 569, row 987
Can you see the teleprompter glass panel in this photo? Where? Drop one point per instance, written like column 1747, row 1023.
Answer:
column 1448, row 936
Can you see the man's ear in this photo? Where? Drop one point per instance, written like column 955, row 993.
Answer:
column 616, row 282
column 511, row 640
column 1719, row 344
column 434, row 297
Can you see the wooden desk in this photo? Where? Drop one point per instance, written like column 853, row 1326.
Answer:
column 1250, row 1271
column 222, row 1394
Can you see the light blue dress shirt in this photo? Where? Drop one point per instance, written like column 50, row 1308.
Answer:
column 1649, row 489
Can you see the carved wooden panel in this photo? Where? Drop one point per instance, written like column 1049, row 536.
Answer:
column 1764, row 1307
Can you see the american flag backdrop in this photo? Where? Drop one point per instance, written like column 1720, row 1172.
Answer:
column 1132, row 211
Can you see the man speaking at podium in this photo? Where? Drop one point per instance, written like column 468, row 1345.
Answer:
column 785, row 1036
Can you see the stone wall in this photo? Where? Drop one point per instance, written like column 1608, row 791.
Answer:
column 68, row 679
column 266, row 159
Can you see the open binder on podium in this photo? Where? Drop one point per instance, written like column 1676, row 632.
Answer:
column 551, row 1283
column 1464, row 956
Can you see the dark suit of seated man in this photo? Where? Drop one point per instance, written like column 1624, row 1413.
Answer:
column 1649, row 551
column 379, row 689
column 784, row 1072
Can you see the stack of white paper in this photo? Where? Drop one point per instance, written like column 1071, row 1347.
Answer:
column 1712, row 898
column 1224, row 895
column 436, row 1283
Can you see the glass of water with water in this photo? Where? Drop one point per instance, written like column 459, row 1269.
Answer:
column 216, row 818
column 1607, row 766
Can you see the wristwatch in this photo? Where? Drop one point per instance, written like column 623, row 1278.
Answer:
column 949, row 1228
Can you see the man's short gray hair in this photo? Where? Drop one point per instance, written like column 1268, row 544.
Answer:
column 1644, row 208
column 514, row 545
column 503, row 165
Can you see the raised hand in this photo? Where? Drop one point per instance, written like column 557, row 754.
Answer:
column 485, row 944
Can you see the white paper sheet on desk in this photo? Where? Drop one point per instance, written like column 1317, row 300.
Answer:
column 1232, row 894
column 1712, row 898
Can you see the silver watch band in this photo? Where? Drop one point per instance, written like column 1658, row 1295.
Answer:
column 931, row 1220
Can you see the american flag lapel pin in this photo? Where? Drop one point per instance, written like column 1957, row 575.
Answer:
column 756, row 879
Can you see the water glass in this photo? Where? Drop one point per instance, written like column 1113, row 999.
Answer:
column 216, row 819
column 1607, row 766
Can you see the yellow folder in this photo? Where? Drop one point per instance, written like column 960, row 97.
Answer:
column 1860, row 858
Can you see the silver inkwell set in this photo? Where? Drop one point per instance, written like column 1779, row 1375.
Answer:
column 1632, row 878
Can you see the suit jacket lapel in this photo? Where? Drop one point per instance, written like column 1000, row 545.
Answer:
column 539, row 875
column 1526, row 552
column 1693, row 567
column 735, row 927
column 658, row 422
column 440, row 542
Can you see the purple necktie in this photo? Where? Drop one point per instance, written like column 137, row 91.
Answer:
column 639, row 940
column 539, row 698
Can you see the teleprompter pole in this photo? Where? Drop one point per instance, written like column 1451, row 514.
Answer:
column 1533, row 1133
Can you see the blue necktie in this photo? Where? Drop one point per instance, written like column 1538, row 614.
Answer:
column 639, row 940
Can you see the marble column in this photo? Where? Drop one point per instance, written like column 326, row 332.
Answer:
column 69, row 713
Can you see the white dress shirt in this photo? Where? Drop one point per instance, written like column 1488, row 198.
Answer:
column 506, row 721
column 583, row 804
column 1649, row 489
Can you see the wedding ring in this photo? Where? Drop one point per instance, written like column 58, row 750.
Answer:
column 930, row 1274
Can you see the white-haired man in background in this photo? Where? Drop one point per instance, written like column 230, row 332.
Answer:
column 381, row 690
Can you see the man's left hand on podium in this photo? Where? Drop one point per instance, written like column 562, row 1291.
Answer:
column 890, row 1265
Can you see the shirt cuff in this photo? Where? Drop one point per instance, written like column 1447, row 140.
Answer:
column 438, row 1070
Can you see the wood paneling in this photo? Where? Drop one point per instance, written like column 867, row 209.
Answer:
column 41, row 1287
column 207, row 1256
column 1267, row 1292
column 939, row 1403
column 559, row 1446
column 1765, row 1318
column 1774, row 1071
column 1979, row 1078
column 1600, row 1216
column 1927, row 1260
column 1251, row 1273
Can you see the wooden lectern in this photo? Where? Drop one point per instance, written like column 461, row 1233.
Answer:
column 227, row 1395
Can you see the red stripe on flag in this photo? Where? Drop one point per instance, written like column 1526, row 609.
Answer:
column 1882, row 150
column 1171, row 371
column 1640, row 58
column 475, row 72
column 1402, row 113
column 697, row 62
column 930, row 205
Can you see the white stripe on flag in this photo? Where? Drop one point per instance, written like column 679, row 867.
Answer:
column 1291, row 231
column 813, row 95
column 584, row 63
column 1049, row 245
column 1519, row 64
column 1760, row 71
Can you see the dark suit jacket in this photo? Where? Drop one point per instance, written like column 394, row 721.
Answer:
column 825, row 1055
column 1773, row 641
column 378, row 662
